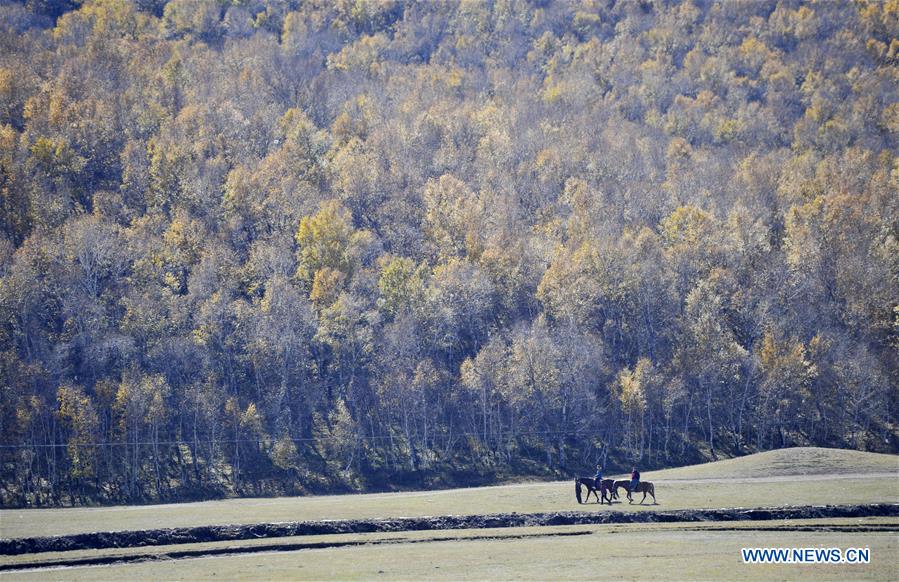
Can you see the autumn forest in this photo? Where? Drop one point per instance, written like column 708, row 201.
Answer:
column 269, row 248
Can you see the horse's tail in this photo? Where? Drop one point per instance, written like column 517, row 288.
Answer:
column 613, row 491
column 577, row 490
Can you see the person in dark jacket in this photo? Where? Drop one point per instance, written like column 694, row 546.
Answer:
column 635, row 478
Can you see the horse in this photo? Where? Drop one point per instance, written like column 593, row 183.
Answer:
column 643, row 487
column 590, row 483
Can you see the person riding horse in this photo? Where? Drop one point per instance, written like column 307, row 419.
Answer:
column 635, row 485
column 601, row 488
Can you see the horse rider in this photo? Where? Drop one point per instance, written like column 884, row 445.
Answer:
column 598, row 478
column 635, row 479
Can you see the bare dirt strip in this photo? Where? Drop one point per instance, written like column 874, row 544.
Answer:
column 213, row 533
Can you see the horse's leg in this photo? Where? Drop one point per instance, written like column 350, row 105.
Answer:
column 644, row 497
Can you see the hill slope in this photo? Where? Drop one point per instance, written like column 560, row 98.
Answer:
column 317, row 246
column 785, row 462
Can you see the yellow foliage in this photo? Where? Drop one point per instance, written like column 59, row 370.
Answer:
column 890, row 118
column 7, row 86
column 323, row 240
column 401, row 284
column 77, row 412
column 787, row 371
column 284, row 452
column 679, row 148
column 727, row 129
column 893, row 52
column 686, row 227
column 455, row 78
column 552, row 92
column 251, row 420
column 454, row 217
column 363, row 56
column 632, row 386
column 326, row 287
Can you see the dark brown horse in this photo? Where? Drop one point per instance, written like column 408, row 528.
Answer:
column 643, row 487
column 605, row 488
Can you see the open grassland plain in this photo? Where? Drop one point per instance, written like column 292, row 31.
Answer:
column 679, row 550
column 670, row 551
column 828, row 476
column 296, row 543
column 530, row 498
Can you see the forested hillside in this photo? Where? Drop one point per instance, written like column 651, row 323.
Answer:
column 276, row 247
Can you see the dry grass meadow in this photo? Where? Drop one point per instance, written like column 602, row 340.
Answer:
column 631, row 551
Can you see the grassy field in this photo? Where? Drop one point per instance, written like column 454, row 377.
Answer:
column 785, row 463
column 676, row 551
column 843, row 525
column 523, row 499
column 831, row 477
column 672, row 551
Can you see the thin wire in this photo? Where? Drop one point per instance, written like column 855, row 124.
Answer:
column 298, row 440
